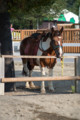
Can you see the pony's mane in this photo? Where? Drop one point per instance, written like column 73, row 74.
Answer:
column 35, row 35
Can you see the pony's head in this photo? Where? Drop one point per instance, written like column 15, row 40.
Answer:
column 56, row 41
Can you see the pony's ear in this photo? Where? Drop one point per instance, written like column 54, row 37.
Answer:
column 61, row 30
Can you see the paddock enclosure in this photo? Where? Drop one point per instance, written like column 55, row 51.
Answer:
column 71, row 37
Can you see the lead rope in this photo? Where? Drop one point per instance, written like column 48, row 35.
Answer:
column 62, row 65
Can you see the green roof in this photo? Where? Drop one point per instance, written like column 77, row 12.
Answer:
column 72, row 20
column 61, row 18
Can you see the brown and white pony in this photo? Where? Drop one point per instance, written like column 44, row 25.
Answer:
column 49, row 44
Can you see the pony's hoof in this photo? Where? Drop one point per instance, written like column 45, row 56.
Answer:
column 27, row 86
column 32, row 85
column 43, row 91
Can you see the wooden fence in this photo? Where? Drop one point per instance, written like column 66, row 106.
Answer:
column 69, row 36
column 18, row 35
column 71, row 49
column 69, row 26
column 22, row 79
column 65, row 26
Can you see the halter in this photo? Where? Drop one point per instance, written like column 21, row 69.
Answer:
column 55, row 47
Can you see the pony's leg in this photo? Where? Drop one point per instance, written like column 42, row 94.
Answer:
column 50, row 83
column 31, row 83
column 25, row 69
column 43, row 72
column 26, row 73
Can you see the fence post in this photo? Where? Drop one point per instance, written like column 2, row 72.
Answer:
column 77, row 73
column 22, row 34
column 1, row 75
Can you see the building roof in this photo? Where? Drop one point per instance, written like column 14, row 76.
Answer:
column 71, row 17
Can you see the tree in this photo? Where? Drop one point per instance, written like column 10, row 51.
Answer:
column 76, row 6
column 38, row 14
column 73, row 5
column 13, row 7
column 6, row 43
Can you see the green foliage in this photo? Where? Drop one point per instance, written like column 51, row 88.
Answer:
column 24, row 11
column 73, row 5
column 15, row 6
column 70, row 3
column 48, row 9
column 76, row 7
column 57, row 7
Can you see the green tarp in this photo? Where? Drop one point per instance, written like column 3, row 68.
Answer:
column 61, row 18
column 72, row 20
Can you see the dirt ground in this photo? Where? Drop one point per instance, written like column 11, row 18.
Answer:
column 30, row 104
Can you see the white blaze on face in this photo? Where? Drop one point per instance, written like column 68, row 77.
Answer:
column 60, row 49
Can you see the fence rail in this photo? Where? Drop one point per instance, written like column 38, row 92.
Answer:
column 26, row 56
column 27, row 79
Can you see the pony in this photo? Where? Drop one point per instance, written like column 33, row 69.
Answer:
column 42, row 44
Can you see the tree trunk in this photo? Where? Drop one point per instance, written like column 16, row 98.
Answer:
column 6, row 47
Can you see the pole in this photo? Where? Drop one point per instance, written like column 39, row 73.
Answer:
column 37, row 23
column 0, row 48
column 79, row 22
column 77, row 73
column 2, row 67
column 79, row 16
